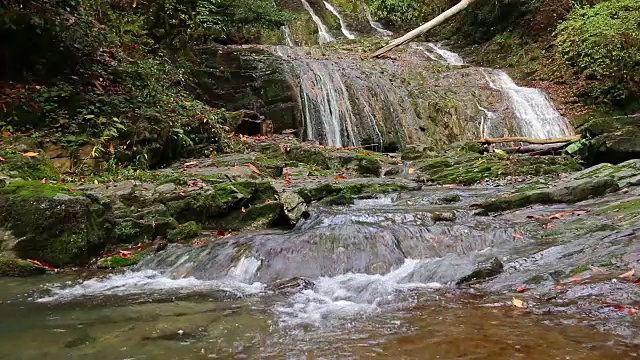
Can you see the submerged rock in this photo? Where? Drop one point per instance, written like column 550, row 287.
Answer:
column 484, row 270
column 291, row 286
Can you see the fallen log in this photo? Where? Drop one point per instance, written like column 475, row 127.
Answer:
column 536, row 149
column 423, row 29
column 529, row 140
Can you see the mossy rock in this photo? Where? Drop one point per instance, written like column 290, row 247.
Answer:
column 16, row 165
column 19, row 268
column 351, row 190
column 54, row 225
column 184, row 232
column 341, row 199
column 262, row 216
column 117, row 261
column 572, row 192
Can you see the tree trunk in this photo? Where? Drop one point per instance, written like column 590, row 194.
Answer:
column 424, row 28
column 529, row 140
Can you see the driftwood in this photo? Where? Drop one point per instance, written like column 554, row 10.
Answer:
column 423, row 29
column 529, row 140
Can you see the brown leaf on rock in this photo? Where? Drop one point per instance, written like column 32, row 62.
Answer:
column 31, row 154
column 628, row 274
column 340, row 177
column 255, row 169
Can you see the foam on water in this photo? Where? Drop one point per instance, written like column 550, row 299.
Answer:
column 349, row 295
column 142, row 282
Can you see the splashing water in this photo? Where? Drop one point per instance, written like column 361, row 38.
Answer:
column 350, row 294
column 376, row 25
column 323, row 32
column 537, row 116
column 343, row 26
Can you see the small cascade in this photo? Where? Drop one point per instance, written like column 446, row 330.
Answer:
column 537, row 116
column 343, row 26
column 439, row 54
column 288, row 38
column 376, row 25
column 323, row 32
column 487, row 121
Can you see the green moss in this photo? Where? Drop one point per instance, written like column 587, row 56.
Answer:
column 579, row 269
column 19, row 268
column 17, row 165
column 344, row 193
column 261, row 216
column 184, row 232
column 29, row 189
column 339, row 200
column 117, row 261
column 627, row 207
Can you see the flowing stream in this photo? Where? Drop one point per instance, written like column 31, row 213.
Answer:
column 382, row 277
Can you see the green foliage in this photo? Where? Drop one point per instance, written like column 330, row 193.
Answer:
column 397, row 11
column 27, row 168
column 602, row 42
column 180, row 22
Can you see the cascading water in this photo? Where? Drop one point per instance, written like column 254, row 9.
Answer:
column 537, row 117
column 288, row 38
column 376, row 25
column 324, row 36
column 439, row 54
column 343, row 26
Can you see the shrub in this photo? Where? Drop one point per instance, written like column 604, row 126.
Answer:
column 602, row 43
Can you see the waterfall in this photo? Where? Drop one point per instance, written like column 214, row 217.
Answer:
column 343, row 27
column 439, row 54
column 376, row 25
column 537, row 116
column 286, row 32
column 323, row 32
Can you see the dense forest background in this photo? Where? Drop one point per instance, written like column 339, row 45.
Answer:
column 120, row 75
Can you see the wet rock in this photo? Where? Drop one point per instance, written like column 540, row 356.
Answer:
column 450, row 198
column 626, row 173
column 184, row 232
column 483, row 271
column 291, row 286
column 19, row 268
column 444, row 216
column 572, row 192
column 614, row 140
column 294, row 206
column 261, row 216
column 52, row 224
column 418, row 151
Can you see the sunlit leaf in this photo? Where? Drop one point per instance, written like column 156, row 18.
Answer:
column 31, row 154
column 628, row 274
column 518, row 303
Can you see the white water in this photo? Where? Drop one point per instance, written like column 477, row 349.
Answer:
column 376, row 25
column 350, row 294
column 323, row 32
column 439, row 54
column 142, row 282
column 343, row 26
column 487, row 121
column 323, row 86
column 341, row 296
column 286, row 32
column 537, row 116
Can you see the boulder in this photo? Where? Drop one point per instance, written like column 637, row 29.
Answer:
column 19, row 268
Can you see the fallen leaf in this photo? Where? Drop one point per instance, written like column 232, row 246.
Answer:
column 5, row 133
column 282, row 148
column 243, row 210
column 619, row 307
column 518, row 236
column 44, row 180
column 628, row 274
column 31, row 154
column 521, row 289
column 518, row 303
column 632, row 311
column 198, row 243
column 1, row 158
column 575, row 278
column 450, row 185
column 411, row 170
column 636, row 281
column 560, row 214
column 219, row 233
column 340, row 177
column 255, row 169
column 111, row 149
column 549, row 226
column 475, row 205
